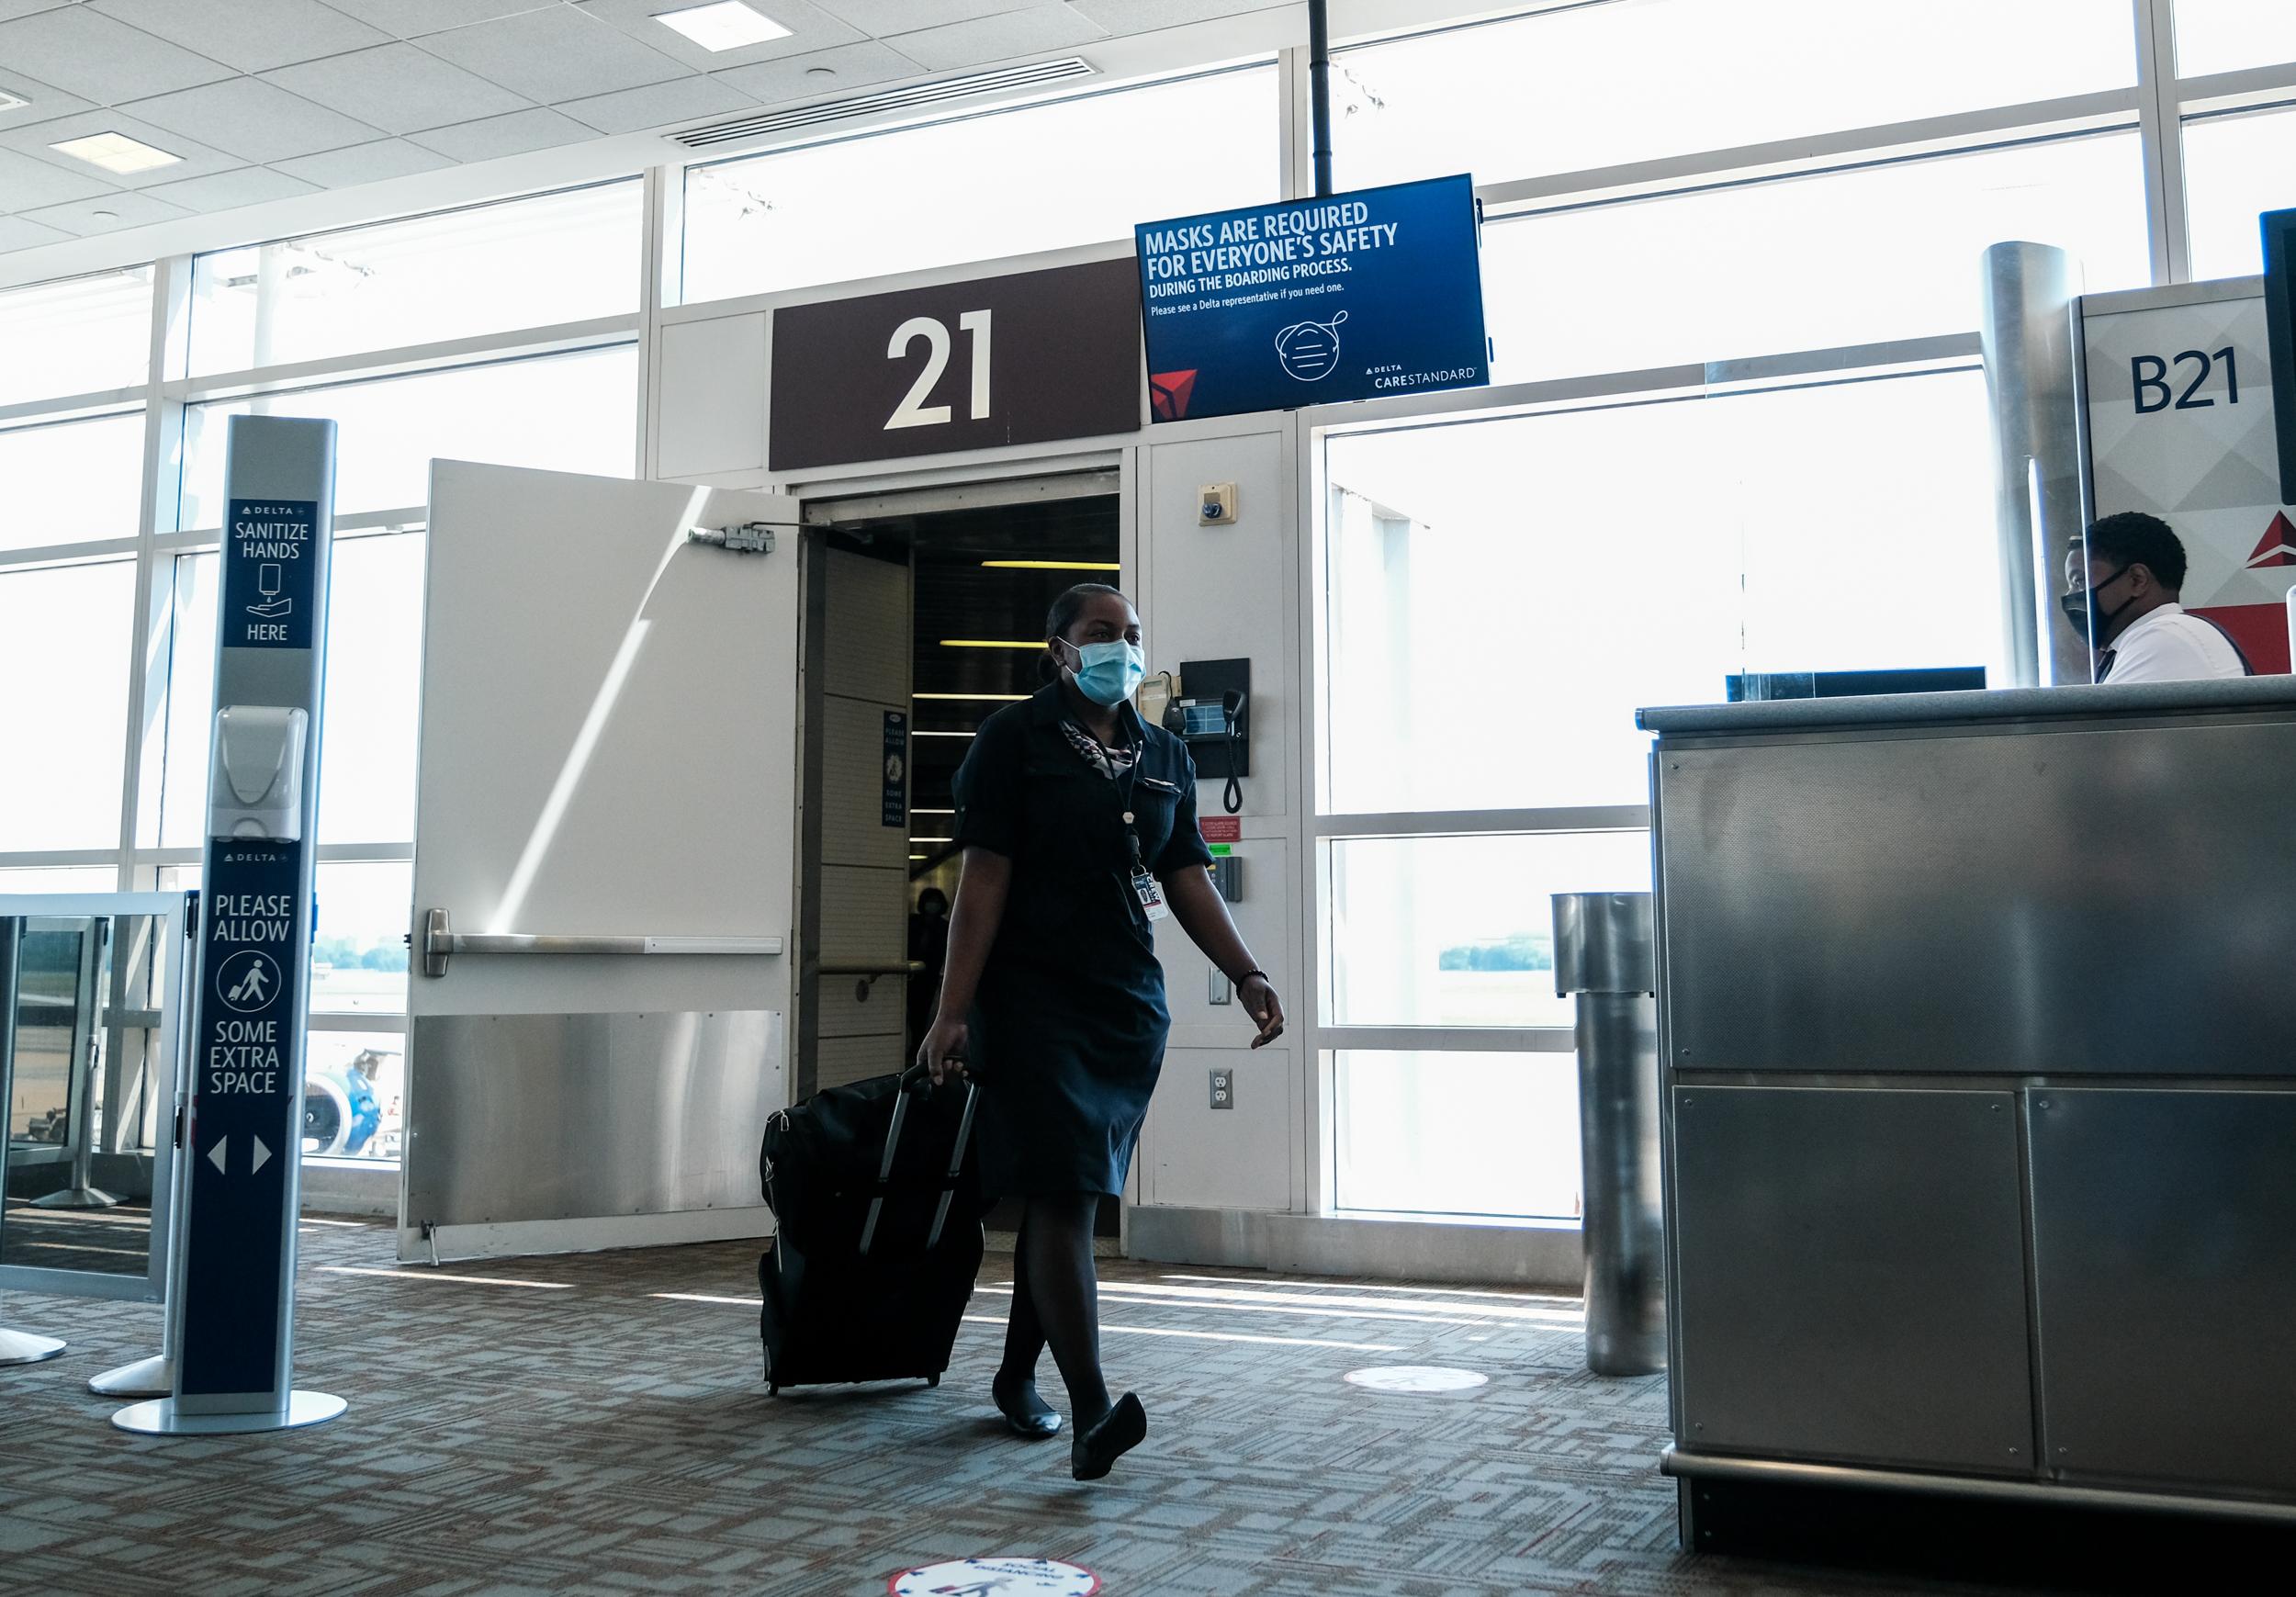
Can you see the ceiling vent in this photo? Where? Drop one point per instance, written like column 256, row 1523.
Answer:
column 933, row 93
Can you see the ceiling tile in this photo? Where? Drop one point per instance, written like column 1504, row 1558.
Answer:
column 253, row 121
column 658, row 104
column 558, row 54
column 42, row 103
column 511, row 135
column 28, row 182
column 375, row 163
column 87, row 53
column 880, row 19
column 999, row 37
column 398, row 89
column 413, row 18
column 13, row 8
column 1147, row 16
column 230, row 190
column 123, row 211
column 810, row 28
column 830, row 72
column 15, row 233
column 251, row 35
column 194, row 158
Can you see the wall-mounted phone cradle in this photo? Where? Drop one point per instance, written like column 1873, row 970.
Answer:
column 1213, row 711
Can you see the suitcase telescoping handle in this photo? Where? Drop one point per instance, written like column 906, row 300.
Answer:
column 912, row 1083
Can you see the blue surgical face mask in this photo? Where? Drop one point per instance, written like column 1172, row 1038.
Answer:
column 1108, row 673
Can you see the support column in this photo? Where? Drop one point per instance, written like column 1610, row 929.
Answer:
column 2031, row 384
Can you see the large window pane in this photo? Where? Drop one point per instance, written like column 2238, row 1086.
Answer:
column 1810, row 262
column 1072, row 172
column 530, row 263
column 359, row 956
column 374, row 667
column 70, row 480
column 570, row 412
column 63, row 713
column 2215, row 36
column 81, row 335
column 1492, row 1134
column 355, row 1087
column 1598, row 85
column 368, row 748
column 2235, row 169
column 1459, row 931
column 1502, row 596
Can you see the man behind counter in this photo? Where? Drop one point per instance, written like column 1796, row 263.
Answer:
column 2123, row 596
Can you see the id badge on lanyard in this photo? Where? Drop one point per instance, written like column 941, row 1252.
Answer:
column 1144, row 885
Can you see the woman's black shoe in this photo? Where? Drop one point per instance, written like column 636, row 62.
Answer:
column 1123, row 1428
column 1026, row 1414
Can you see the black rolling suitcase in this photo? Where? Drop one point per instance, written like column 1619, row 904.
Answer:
column 877, row 1233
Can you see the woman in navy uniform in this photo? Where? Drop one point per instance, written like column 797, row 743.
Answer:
column 1078, row 822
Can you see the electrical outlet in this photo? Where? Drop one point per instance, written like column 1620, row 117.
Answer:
column 1223, row 1089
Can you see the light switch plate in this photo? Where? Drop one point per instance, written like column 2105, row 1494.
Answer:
column 1219, row 992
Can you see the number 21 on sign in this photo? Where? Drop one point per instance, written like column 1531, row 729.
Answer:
column 913, row 412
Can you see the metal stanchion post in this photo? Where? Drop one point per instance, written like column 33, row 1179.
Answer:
column 1605, row 956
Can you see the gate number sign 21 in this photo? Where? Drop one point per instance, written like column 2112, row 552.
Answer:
column 2150, row 386
column 913, row 412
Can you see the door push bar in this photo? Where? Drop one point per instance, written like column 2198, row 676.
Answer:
column 441, row 942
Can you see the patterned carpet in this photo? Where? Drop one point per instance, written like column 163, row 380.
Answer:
column 597, row 1425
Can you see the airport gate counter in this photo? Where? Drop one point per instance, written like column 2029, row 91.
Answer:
column 1978, row 1058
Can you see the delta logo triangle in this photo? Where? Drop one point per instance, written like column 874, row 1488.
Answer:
column 1169, row 393
column 2278, row 546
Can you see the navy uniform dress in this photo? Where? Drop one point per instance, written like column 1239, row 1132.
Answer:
column 1069, row 1022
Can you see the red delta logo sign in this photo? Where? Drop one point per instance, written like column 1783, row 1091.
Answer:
column 1169, row 393
column 2277, row 548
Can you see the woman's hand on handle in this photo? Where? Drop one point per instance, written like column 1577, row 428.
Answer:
column 942, row 1052
column 1266, row 1009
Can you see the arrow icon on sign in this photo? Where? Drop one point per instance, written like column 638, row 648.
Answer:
column 263, row 1155
column 215, row 1153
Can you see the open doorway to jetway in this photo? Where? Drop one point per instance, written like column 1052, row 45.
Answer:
column 923, row 617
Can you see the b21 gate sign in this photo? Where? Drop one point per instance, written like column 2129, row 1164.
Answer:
column 1353, row 296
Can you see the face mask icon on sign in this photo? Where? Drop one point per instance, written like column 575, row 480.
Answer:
column 1310, row 349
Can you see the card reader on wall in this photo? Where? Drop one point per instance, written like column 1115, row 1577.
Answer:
column 1213, row 711
column 258, row 784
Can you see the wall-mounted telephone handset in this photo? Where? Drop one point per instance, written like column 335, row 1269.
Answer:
column 1209, row 708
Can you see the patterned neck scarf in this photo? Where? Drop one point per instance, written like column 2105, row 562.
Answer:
column 1109, row 762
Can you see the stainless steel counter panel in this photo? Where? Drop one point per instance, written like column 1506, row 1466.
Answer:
column 566, row 1116
column 2165, row 1243
column 1850, row 1276
column 1999, row 706
column 2115, row 898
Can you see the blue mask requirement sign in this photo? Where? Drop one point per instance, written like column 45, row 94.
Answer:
column 243, row 1107
column 1356, row 297
column 269, row 573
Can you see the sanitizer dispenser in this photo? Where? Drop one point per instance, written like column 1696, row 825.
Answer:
column 258, row 782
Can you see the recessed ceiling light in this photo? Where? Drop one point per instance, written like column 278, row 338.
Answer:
column 116, row 152
column 9, row 102
column 727, row 25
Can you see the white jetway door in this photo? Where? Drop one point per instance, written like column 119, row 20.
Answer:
column 609, row 759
